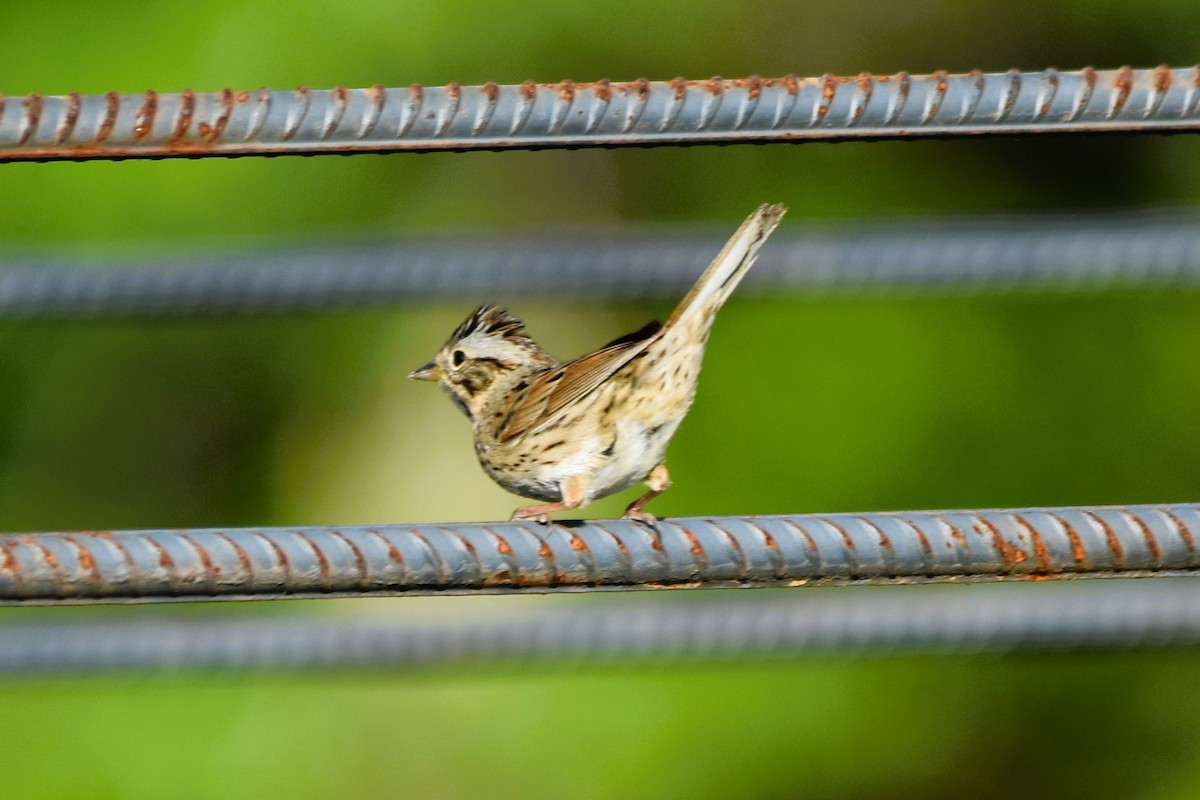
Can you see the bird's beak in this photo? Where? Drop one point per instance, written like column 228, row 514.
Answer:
column 429, row 372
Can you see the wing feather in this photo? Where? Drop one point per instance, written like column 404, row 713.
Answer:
column 548, row 395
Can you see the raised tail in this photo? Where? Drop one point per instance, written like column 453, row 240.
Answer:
column 730, row 265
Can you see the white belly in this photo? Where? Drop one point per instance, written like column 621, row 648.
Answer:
column 638, row 450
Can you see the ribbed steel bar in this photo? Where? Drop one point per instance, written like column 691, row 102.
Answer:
column 603, row 113
column 939, row 255
column 950, row 546
column 1112, row 614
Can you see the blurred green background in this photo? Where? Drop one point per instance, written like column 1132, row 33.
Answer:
column 837, row 403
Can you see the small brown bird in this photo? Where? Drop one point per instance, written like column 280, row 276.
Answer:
column 570, row 433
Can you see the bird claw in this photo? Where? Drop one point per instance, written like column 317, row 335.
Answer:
column 642, row 516
column 527, row 513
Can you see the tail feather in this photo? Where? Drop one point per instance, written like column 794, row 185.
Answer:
column 731, row 264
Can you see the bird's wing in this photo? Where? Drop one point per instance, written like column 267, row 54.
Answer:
column 548, row 395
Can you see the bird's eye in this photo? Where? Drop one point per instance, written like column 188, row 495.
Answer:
column 457, row 358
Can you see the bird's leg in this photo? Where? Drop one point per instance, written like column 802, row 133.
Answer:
column 574, row 493
column 658, row 480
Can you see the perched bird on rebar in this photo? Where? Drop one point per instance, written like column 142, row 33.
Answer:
column 570, row 433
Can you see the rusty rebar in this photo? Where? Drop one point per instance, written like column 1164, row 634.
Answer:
column 603, row 113
column 1109, row 614
column 927, row 255
column 468, row 558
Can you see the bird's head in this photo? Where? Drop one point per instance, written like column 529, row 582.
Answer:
column 487, row 350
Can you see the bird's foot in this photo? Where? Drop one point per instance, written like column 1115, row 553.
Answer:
column 641, row 516
column 535, row 513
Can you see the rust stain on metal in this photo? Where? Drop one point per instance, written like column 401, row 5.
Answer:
column 884, row 541
column 656, row 542
column 754, row 86
column 468, row 546
column 920, row 534
column 360, row 561
column 566, row 91
column 1089, row 82
column 377, row 95
column 1162, row 82
column 578, row 544
column 903, row 85
column 243, row 97
column 280, row 555
column 143, row 123
column 262, row 109
column 528, row 91
column 866, row 85
column 1162, row 78
column 502, row 545
column 792, row 83
column 300, row 99
column 1048, row 96
column 696, row 548
column 1124, row 84
column 318, row 553
column 439, row 563
column 1039, row 544
column 1184, row 532
column 939, row 95
column 1077, row 551
column 808, row 539
column 1011, row 92
column 120, row 547
column 491, row 91
column 392, row 551
column 735, row 545
column 640, row 87
column 86, row 559
column 69, row 118
column 1147, row 535
column 715, row 86
column 183, row 117
column 620, row 544
column 551, row 569
column 768, row 538
column 213, row 132
column 1114, row 544
column 845, row 536
column 33, row 115
column 1010, row 556
column 47, row 554
column 242, row 558
column 828, row 91
column 602, row 89
column 779, row 568
column 341, row 99
column 164, row 558
column 10, row 563
column 202, row 554
column 112, row 106
column 955, row 533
